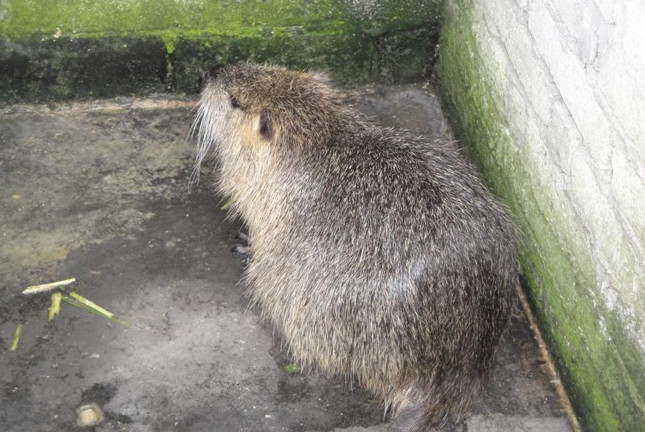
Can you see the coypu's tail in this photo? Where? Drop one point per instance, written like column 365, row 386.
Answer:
column 435, row 406
column 410, row 419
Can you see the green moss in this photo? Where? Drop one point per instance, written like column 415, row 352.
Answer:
column 603, row 376
column 82, row 18
column 169, row 39
column 86, row 18
column 146, row 18
column 40, row 37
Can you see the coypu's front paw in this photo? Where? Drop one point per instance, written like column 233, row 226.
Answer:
column 243, row 247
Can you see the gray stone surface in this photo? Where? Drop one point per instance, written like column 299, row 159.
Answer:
column 100, row 192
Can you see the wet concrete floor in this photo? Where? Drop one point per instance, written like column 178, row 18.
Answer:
column 100, row 192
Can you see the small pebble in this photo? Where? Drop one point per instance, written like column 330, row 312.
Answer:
column 89, row 415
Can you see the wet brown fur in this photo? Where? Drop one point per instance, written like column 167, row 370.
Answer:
column 379, row 256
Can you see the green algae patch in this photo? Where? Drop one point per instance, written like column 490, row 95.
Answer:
column 600, row 366
column 74, row 49
column 81, row 18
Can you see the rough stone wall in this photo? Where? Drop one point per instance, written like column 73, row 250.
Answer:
column 549, row 98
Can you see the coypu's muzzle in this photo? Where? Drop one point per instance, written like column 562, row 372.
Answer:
column 207, row 129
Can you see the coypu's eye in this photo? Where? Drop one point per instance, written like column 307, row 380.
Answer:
column 234, row 102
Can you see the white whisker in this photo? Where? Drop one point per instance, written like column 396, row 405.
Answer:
column 206, row 131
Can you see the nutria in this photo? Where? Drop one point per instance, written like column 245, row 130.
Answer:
column 379, row 256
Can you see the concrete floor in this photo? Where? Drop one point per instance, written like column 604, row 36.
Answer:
column 100, row 192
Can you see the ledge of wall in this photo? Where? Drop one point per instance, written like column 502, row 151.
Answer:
column 75, row 49
column 548, row 98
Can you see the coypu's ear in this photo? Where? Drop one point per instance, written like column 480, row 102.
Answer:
column 266, row 124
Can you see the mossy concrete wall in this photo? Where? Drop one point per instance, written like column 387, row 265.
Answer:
column 549, row 98
column 62, row 49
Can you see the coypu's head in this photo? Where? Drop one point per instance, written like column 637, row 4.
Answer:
column 250, row 106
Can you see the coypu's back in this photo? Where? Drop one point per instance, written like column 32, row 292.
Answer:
column 380, row 257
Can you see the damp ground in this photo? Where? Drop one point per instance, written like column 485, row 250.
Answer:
column 101, row 192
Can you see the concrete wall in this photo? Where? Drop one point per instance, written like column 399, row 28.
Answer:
column 549, row 98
